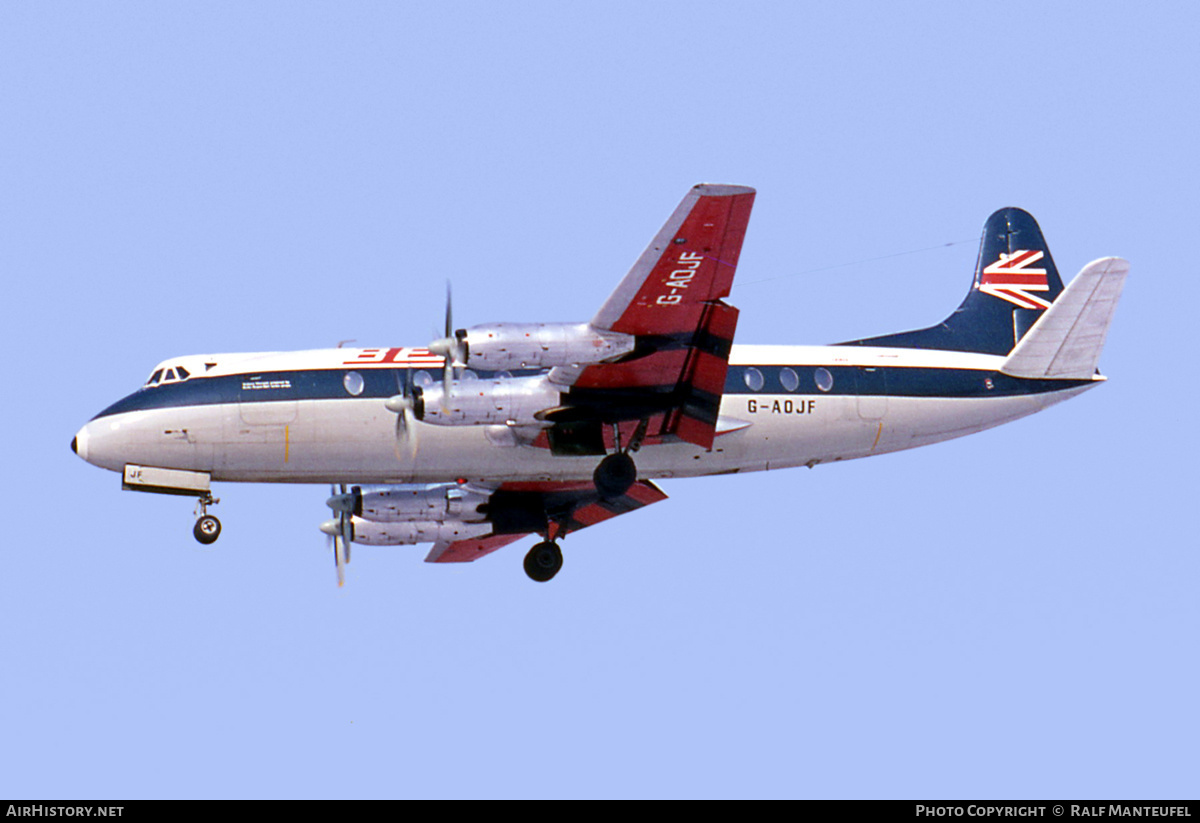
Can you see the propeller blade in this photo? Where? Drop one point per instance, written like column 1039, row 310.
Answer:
column 452, row 349
column 339, row 561
column 447, row 383
column 345, row 505
column 404, row 434
column 333, row 529
column 347, row 536
column 402, row 404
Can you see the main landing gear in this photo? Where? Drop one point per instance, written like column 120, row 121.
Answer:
column 543, row 561
column 617, row 472
column 615, row 475
column 208, row 527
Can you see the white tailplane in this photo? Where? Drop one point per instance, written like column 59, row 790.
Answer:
column 1065, row 342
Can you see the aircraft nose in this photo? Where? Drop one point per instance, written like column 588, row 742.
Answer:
column 79, row 443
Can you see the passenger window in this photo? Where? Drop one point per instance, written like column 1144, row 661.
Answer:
column 753, row 379
column 422, row 379
column 789, row 379
column 354, row 383
column 824, row 379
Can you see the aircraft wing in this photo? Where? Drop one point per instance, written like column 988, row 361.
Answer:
column 671, row 300
column 566, row 507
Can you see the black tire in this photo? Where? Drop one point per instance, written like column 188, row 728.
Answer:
column 615, row 475
column 543, row 561
column 207, row 529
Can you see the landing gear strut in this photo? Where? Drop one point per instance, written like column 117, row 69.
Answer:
column 208, row 527
column 543, row 561
column 617, row 472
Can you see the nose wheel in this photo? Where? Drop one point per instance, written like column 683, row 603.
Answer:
column 543, row 561
column 207, row 528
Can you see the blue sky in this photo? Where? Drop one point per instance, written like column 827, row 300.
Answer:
column 1009, row 615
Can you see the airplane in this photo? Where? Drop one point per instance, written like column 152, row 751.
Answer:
column 504, row 430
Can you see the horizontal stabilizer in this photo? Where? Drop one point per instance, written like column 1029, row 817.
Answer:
column 1065, row 342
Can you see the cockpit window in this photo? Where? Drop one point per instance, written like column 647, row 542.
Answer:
column 174, row 374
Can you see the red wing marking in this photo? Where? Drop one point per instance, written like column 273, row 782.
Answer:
column 570, row 507
column 464, row 551
column 548, row 486
column 659, row 369
column 641, row 494
column 690, row 262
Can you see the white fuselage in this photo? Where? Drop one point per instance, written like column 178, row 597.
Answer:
column 270, row 430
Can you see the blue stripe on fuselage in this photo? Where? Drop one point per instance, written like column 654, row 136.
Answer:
column 893, row 381
column 328, row 384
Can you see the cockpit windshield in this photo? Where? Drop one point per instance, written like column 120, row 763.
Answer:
column 171, row 374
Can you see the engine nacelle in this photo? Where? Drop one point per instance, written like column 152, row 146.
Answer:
column 499, row 346
column 407, row 534
column 502, row 400
column 431, row 504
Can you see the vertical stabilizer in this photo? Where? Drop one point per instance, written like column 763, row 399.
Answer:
column 1015, row 282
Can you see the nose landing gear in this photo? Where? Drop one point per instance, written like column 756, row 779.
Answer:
column 208, row 527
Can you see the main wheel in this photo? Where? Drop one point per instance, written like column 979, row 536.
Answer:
column 543, row 561
column 207, row 529
column 615, row 475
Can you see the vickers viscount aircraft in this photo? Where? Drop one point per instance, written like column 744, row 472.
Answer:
column 500, row 431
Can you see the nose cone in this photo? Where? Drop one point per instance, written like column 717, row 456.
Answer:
column 79, row 443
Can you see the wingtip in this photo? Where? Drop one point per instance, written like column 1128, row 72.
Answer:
column 721, row 189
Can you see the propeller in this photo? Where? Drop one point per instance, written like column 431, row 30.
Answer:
column 341, row 531
column 452, row 348
column 402, row 404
